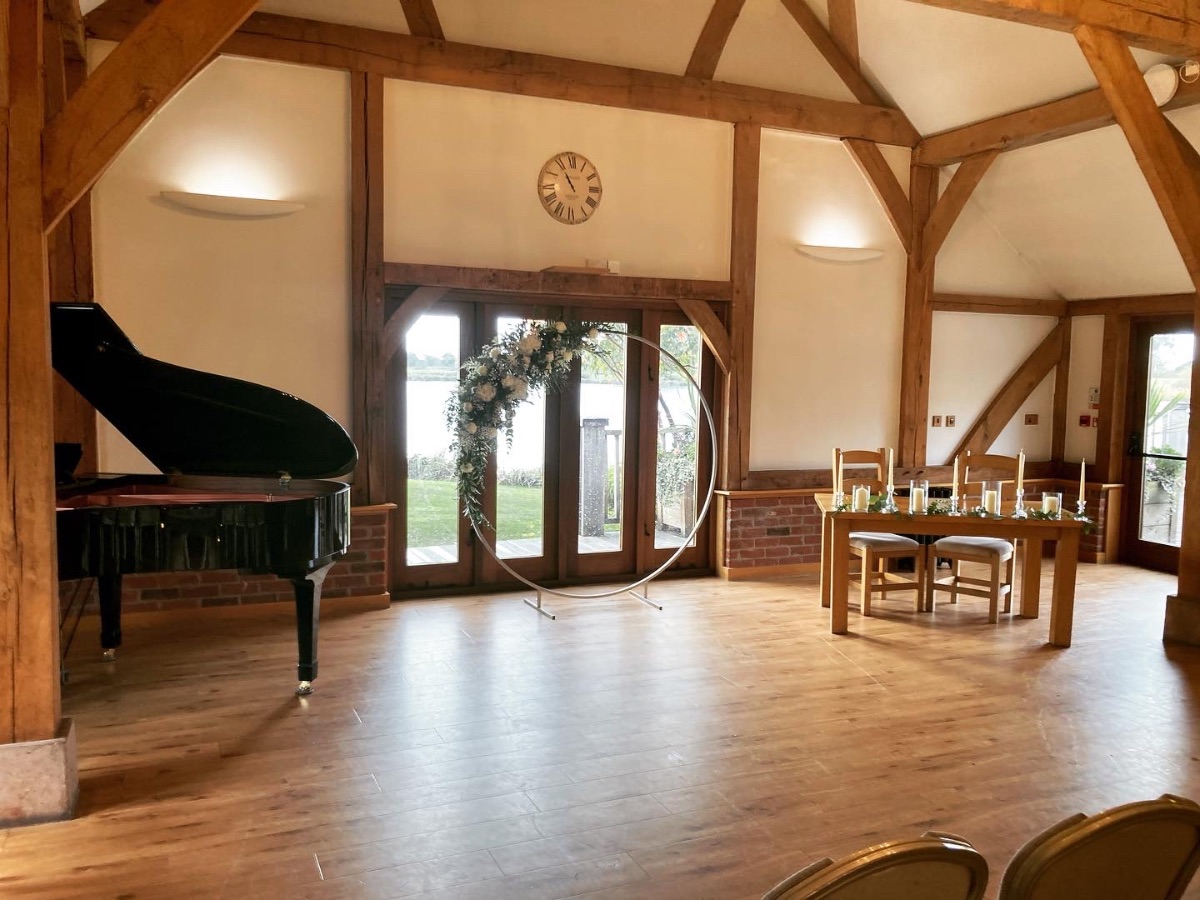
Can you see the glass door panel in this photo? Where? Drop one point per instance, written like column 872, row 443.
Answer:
column 1160, row 408
column 521, row 475
column 602, row 444
column 1164, row 437
column 679, row 417
column 432, row 344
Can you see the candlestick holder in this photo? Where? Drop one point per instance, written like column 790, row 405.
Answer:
column 839, row 499
column 1080, row 508
column 889, row 504
column 1019, row 509
column 955, row 508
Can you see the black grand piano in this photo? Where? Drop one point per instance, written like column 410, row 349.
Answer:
column 240, row 489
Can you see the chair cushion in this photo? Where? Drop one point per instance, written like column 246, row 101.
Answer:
column 983, row 546
column 869, row 540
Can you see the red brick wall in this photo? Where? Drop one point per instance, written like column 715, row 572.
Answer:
column 771, row 531
column 362, row 572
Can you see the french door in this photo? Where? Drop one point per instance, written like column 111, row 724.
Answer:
column 598, row 482
column 1156, row 453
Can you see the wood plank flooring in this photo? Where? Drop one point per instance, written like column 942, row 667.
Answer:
column 468, row 748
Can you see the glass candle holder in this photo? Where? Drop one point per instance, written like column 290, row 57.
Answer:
column 989, row 497
column 860, row 498
column 918, row 497
column 1052, row 503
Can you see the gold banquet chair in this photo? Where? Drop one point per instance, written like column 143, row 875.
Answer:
column 1140, row 851
column 875, row 550
column 995, row 553
column 931, row 867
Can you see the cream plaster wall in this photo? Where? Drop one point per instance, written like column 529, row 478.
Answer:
column 265, row 300
column 973, row 356
column 461, row 172
column 826, row 335
column 1087, row 359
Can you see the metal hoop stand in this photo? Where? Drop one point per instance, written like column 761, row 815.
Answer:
column 646, row 579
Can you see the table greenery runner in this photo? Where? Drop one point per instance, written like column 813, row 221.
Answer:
column 493, row 384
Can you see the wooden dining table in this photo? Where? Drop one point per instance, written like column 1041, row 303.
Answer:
column 835, row 555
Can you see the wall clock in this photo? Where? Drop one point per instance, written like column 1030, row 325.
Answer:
column 569, row 188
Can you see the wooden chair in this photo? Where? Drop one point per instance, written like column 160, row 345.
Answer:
column 1147, row 850
column 997, row 554
column 932, row 867
column 877, row 550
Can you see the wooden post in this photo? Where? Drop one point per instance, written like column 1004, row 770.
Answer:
column 747, row 142
column 38, row 771
column 917, row 338
column 366, row 241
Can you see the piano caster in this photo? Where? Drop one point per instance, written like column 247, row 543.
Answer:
column 110, row 654
column 304, row 689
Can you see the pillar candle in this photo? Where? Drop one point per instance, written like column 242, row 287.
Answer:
column 991, row 502
column 917, row 503
column 862, row 499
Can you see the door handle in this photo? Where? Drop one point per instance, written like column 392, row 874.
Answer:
column 1135, row 444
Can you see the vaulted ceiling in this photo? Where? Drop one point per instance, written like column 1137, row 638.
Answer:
column 1075, row 211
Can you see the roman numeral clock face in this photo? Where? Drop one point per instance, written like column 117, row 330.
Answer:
column 569, row 188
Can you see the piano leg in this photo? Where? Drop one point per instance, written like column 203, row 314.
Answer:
column 308, row 616
column 110, row 614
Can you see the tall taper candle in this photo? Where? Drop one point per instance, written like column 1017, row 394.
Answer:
column 1082, row 482
column 954, row 490
column 1021, row 471
column 891, row 486
column 834, row 472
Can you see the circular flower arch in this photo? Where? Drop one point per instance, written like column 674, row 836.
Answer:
column 497, row 381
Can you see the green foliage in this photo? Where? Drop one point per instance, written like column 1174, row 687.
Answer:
column 1166, row 473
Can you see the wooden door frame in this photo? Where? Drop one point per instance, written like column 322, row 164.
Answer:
column 1132, row 549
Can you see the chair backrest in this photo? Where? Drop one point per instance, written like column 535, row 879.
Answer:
column 931, row 867
column 876, row 459
column 977, row 467
column 1148, row 850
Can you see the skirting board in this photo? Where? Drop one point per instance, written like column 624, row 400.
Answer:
column 749, row 573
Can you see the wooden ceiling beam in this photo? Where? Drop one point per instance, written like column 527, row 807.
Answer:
column 422, row 19
column 843, row 28
column 846, row 69
column 1076, row 114
column 950, row 205
column 1146, row 305
column 1003, row 306
column 152, row 62
column 999, row 412
column 66, row 15
column 1165, row 26
column 713, row 36
column 405, row 57
column 886, row 186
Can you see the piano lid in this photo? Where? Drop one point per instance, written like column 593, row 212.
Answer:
column 188, row 421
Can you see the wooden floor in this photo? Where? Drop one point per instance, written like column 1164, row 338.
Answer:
column 468, row 748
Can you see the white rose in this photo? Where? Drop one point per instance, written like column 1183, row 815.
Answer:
column 529, row 343
column 485, row 392
column 593, row 333
column 472, row 428
column 494, row 353
column 468, row 468
column 489, row 432
column 568, row 355
column 549, row 356
column 468, row 406
column 481, row 370
column 520, row 389
column 507, row 381
column 560, row 327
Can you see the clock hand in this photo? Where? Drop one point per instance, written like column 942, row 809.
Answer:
column 569, row 181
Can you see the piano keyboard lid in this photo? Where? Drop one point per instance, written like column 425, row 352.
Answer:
column 192, row 422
